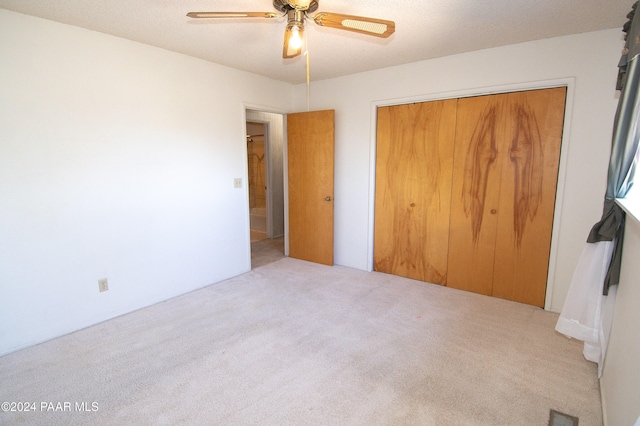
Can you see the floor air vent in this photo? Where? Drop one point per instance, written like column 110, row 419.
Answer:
column 557, row 418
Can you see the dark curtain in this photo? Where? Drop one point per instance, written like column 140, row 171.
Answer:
column 623, row 149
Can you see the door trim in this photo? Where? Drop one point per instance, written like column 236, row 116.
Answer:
column 568, row 82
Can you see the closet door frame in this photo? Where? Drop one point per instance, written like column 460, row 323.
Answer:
column 569, row 83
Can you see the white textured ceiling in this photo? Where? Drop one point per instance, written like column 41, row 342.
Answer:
column 425, row 29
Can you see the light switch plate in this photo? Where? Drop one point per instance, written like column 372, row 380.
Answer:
column 103, row 285
column 237, row 183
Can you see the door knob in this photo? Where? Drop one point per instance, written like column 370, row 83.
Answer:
column 327, row 198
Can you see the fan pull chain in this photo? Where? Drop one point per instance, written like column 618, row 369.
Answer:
column 306, row 53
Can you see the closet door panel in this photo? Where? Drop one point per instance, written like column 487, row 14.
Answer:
column 476, row 192
column 414, row 159
column 527, row 202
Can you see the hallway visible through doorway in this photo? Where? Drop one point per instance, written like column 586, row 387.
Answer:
column 266, row 251
column 265, row 182
column 257, row 180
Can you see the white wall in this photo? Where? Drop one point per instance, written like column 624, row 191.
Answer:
column 621, row 376
column 117, row 160
column 587, row 60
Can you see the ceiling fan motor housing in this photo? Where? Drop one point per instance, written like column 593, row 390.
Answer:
column 285, row 5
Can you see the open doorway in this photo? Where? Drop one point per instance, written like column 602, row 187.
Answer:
column 265, row 160
column 257, row 181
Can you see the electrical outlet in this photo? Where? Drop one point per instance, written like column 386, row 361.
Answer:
column 103, row 285
column 237, row 183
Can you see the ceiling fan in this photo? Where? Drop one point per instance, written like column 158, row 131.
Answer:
column 297, row 11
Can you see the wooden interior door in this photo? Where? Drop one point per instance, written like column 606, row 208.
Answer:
column 528, row 194
column 475, row 197
column 414, row 159
column 310, row 155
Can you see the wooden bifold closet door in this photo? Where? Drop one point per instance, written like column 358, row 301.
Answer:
column 413, row 189
column 465, row 191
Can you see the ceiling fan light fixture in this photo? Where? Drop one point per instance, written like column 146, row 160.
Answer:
column 293, row 34
column 293, row 41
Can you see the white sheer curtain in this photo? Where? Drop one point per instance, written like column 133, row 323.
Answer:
column 587, row 314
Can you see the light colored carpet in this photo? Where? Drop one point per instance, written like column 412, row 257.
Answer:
column 299, row 343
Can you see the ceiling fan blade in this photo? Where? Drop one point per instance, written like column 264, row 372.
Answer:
column 232, row 15
column 358, row 24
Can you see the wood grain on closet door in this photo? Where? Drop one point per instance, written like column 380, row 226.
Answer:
column 414, row 159
column 475, row 196
column 527, row 202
